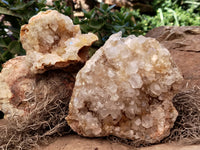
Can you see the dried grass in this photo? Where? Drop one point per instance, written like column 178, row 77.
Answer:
column 186, row 130
column 47, row 120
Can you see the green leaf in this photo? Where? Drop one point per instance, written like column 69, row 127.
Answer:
column 111, row 7
column 3, row 43
column 96, row 24
column 8, row 12
column 115, row 17
column 119, row 28
column 22, row 6
column 5, row 2
column 57, row 4
column 161, row 16
column 67, row 11
column 14, row 47
column 41, row 1
column 76, row 20
column 120, row 15
column 92, row 13
column 101, row 10
column 104, row 6
column 127, row 16
column 6, row 56
column 85, row 28
column 86, row 14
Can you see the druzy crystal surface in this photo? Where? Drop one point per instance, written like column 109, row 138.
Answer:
column 126, row 90
column 51, row 40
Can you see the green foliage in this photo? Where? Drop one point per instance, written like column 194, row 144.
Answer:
column 104, row 22
column 170, row 13
column 60, row 6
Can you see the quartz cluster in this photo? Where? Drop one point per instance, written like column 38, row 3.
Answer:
column 51, row 42
column 126, row 90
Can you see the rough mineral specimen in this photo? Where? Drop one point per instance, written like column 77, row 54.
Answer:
column 125, row 90
column 16, row 86
column 21, row 91
column 52, row 41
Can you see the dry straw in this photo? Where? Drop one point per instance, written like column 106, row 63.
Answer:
column 186, row 129
column 47, row 120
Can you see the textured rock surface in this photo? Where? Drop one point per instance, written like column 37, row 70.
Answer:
column 16, row 85
column 52, row 41
column 125, row 90
column 184, row 46
column 134, row 4
column 21, row 91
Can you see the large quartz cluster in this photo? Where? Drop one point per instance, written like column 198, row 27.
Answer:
column 126, row 90
column 51, row 40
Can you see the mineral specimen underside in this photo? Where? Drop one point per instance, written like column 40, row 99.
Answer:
column 125, row 90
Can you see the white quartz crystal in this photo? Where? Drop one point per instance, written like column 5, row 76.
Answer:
column 126, row 90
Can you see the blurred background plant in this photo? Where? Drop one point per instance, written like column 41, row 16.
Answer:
column 170, row 13
column 102, row 20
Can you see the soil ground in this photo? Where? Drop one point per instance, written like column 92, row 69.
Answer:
column 75, row 142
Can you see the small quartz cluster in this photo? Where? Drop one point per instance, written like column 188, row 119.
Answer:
column 53, row 45
column 126, row 90
column 51, row 40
